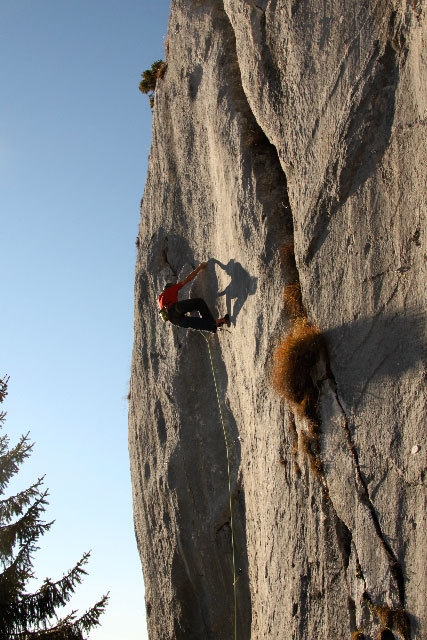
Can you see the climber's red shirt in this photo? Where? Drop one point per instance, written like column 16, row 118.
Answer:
column 169, row 296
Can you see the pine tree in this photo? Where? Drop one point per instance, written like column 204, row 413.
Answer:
column 24, row 615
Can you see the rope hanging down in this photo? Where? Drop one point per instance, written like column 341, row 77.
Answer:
column 229, row 486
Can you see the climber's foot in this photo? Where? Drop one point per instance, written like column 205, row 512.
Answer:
column 223, row 321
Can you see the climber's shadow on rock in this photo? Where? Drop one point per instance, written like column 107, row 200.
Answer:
column 241, row 285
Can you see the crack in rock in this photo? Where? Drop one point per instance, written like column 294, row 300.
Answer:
column 349, row 481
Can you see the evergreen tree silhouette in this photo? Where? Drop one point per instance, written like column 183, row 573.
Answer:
column 25, row 615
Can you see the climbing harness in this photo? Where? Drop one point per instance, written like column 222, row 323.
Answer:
column 235, row 578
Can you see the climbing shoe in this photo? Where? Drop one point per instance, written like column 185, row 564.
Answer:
column 223, row 321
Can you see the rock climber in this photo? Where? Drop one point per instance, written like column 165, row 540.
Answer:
column 176, row 311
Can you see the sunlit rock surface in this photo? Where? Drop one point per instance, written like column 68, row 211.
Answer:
column 285, row 124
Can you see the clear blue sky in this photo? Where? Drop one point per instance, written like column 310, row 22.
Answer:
column 74, row 140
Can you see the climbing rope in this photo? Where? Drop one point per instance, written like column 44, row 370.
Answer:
column 229, row 486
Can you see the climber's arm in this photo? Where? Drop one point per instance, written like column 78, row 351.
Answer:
column 194, row 273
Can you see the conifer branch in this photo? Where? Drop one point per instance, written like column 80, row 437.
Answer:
column 11, row 460
column 27, row 529
column 54, row 594
column 3, row 387
column 14, row 505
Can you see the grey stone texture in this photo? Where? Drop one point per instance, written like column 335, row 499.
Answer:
column 299, row 124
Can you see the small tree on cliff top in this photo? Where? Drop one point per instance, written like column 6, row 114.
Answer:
column 149, row 79
column 24, row 615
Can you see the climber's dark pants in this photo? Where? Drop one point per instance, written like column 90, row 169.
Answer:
column 177, row 311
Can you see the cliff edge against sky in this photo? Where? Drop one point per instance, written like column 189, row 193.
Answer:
column 289, row 150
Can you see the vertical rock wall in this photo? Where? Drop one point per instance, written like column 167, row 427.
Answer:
column 285, row 125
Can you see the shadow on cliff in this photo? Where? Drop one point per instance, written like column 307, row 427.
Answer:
column 384, row 346
column 364, row 138
column 241, row 285
column 202, row 565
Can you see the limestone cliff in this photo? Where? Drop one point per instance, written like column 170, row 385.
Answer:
column 289, row 149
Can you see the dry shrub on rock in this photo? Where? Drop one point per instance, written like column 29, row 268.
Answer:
column 287, row 257
column 293, row 300
column 293, row 359
column 310, row 446
column 396, row 619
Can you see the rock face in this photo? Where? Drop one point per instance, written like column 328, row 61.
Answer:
column 289, row 148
